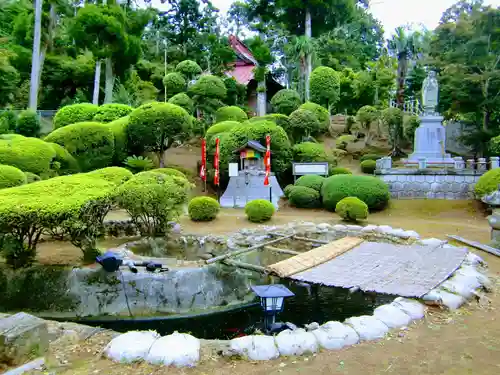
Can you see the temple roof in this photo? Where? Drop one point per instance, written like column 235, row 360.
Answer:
column 254, row 145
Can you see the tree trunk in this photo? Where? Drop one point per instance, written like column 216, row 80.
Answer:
column 402, row 65
column 261, row 98
column 308, row 55
column 109, row 81
column 97, row 81
column 35, row 59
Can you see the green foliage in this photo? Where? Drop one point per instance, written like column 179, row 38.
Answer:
column 152, row 200
column 31, row 177
column 368, row 166
column 209, row 86
column 66, row 163
column 236, row 92
column 410, row 124
column 259, row 210
column 308, row 152
column 11, row 176
column 367, row 115
column 231, row 113
column 74, row 113
column 277, row 118
column 92, row 144
column 203, row 209
column 115, row 175
column 342, row 141
column 189, row 69
column 8, row 120
column 286, row 101
column 325, row 86
column 304, row 197
column 303, row 123
column 352, row 209
column 119, row 129
column 371, row 190
column 139, row 163
column 393, row 120
column 170, row 172
column 175, row 83
column 339, row 170
column 17, row 255
column 28, row 124
column 487, row 183
column 287, row 190
column 111, row 112
column 184, row 101
column 9, row 80
column 494, row 146
column 311, row 181
column 371, row 157
column 28, row 154
column 320, row 112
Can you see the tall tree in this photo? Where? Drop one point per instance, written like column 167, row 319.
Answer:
column 262, row 54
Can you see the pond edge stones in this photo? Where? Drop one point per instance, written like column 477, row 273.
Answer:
column 183, row 350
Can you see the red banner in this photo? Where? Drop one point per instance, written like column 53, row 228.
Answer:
column 267, row 160
column 203, row 169
column 216, row 162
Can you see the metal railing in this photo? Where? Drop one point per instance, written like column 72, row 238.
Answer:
column 412, row 106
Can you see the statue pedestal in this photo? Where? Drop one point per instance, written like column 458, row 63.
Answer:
column 430, row 140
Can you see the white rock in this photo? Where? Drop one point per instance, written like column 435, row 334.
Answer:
column 335, row 335
column 255, row 348
column 399, row 233
column 367, row 327
column 432, row 242
column 473, row 259
column 391, row 316
column 324, row 226
column 296, row 342
column 354, row 227
column 465, row 281
column 131, row 346
column 443, row 298
column 384, row 229
column 412, row 234
column 340, row 227
column 472, row 271
column 369, row 228
column 312, row 326
column 414, row 309
column 177, row 349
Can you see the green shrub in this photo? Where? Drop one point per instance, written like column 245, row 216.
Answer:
column 116, row 175
column 175, row 83
column 367, row 115
column 170, row 172
column 8, row 120
column 494, row 146
column 277, row 118
column 368, row 166
column 487, row 183
column 92, row 144
column 209, row 86
column 28, row 124
column 152, row 200
column 303, row 123
column 31, row 177
column 342, row 141
column 203, row 209
column 119, row 129
column 352, row 209
column 325, row 86
column 339, row 170
column 231, row 113
column 304, row 197
column 188, row 173
column 287, row 190
column 371, row 190
column 320, row 112
column 410, row 124
column 182, row 100
column 74, row 113
column 110, row 112
column 28, row 154
column 11, row 176
column 286, row 101
column 371, row 157
column 259, row 210
column 189, row 69
column 311, row 181
column 221, row 127
column 66, row 163
column 17, row 255
column 139, row 163
column 393, row 120
column 309, row 152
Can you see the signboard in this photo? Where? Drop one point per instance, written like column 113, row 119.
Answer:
column 233, row 169
column 301, row 169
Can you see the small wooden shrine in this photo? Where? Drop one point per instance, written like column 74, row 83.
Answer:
column 252, row 157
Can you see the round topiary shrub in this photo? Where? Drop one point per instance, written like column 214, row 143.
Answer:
column 231, row 113
column 11, row 176
column 371, row 157
column 28, row 154
column 320, row 112
column 28, row 124
column 309, row 152
column 325, row 86
column 371, row 190
column 339, row 170
column 287, row 190
column 67, row 164
column 74, row 113
column 259, row 210
column 116, row 175
column 303, row 123
column 119, row 129
column 368, row 166
column 487, row 183
column 175, row 83
column 286, row 101
column 203, row 209
column 304, row 197
column 352, row 209
column 209, row 86
column 92, row 144
column 111, row 112
column 182, row 100
column 189, row 69
column 311, row 181
column 221, row 127
column 170, row 172
column 31, row 177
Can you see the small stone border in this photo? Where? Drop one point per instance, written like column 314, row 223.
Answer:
column 183, row 350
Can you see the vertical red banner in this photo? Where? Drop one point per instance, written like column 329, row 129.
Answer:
column 267, row 160
column 216, row 162
column 203, row 168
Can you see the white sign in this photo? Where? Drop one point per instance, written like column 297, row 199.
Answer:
column 300, row 169
column 233, row 169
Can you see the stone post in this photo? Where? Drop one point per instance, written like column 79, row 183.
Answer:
column 379, row 164
column 459, row 162
column 494, row 162
column 422, row 163
column 471, row 163
column 388, row 162
column 481, row 164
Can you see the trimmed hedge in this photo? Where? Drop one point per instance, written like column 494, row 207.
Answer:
column 188, row 68
column 287, row 190
column 31, row 177
column 67, row 164
column 231, row 113
column 303, row 123
column 286, row 101
column 320, row 112
column 203, row 209
column 311, row 181
column 28, row 124
column 91, row 143
column 352, row 209
column 371, row 190
column 111, row 112
column 339, row 170
column 304, row 197
column 221, row 127
column 119, row 129
column 175, row 83
column 368, row 166
column 116, row 175
column 209, row 86
column 259, row 210
column 277, row 118
column 308, row 152
column 182, row 100
column 487, row 183
column 325, row 86
column 170, row 172
column 371, row 157
column 11, row 176
column 28, row 154
column 74, row 113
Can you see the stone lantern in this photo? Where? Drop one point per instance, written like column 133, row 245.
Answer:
column 493, row 200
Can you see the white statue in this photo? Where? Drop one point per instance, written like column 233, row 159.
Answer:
column 430, row 92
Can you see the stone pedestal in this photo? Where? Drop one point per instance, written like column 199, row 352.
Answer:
column 430, row 140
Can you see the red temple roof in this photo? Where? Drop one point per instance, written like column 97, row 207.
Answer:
column 245, row 63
